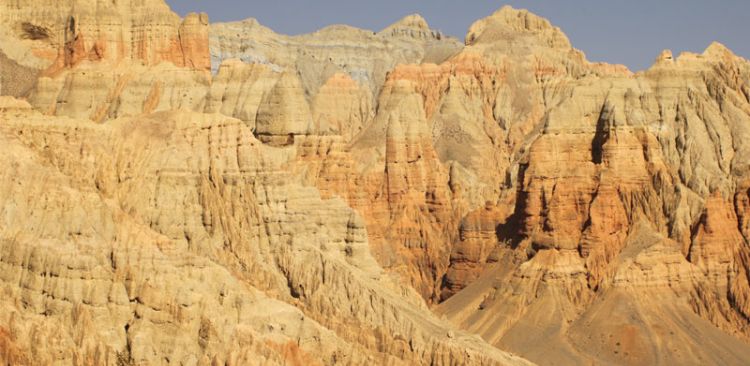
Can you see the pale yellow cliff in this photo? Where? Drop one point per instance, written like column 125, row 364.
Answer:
column 180, row 192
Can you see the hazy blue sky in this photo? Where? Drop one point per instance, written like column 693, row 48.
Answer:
column 617, row 31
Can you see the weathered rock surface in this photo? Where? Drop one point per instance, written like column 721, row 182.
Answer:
column 364, row 55
column 621, row 190
column 101, row 60
column 177, row 238
column 284, row 113
column 315, row 198
column 341, row 107
column 65, row 33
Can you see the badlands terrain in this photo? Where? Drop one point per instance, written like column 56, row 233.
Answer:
column 174, row 191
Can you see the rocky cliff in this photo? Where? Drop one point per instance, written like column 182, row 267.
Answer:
column 183, row 192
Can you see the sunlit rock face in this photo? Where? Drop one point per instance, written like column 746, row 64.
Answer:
column 180, row 192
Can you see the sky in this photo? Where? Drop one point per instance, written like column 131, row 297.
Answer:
column 616, row 31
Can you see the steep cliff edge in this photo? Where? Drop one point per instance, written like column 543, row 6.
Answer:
column 185, row 192
column 65, row 33
column 627, row 208
column 178, row 238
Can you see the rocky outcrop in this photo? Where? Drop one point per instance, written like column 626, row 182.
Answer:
column 317, row 197
column 102, row 60
column 72, row 31
column 284, row 113
column 215, row 256
column 412, row 26
column 341, row 107
column 364, row 55
column 238, row 89
column 476, row 248
column 507, row 23
column 98, row 92
column 627, row 181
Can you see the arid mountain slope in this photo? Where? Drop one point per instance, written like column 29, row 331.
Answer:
column 178, row 238
column 625, row 243
column 186, row 192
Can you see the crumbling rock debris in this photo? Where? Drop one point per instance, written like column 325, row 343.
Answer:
column 175, row 191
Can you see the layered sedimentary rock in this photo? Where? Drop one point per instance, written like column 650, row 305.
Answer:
column 365, row 55
column 238, row 89
column 475, row 248
column 99, row 92
column 341, row 107
column 99, row 59
column 628, row 180
column 68, row 32
column 177, row 238
column 284, row 113
column 327, row 192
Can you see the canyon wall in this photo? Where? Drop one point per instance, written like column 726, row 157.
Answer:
column 186, row 192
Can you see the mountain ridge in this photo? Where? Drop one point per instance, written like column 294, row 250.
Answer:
column 179, row 191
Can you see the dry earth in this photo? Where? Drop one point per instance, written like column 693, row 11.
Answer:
column 180, row 192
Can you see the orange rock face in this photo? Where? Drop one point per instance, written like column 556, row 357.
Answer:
column 341, row 107
column 403, row 191
column 608, row 208
column 95, row 31
column 328, row 192
column 475, row 248
column 193, row 39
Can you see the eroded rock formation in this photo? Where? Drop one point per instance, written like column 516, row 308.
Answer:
column 180, row 192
